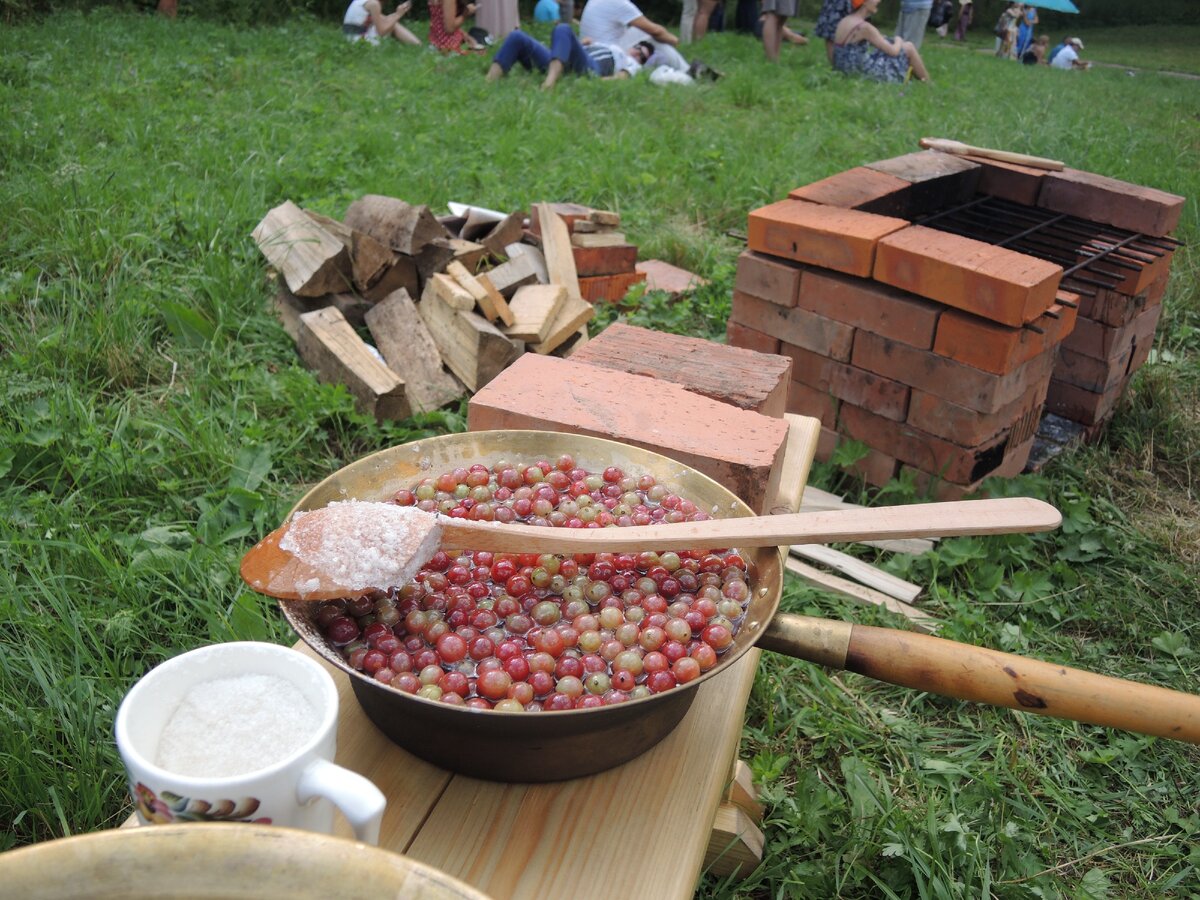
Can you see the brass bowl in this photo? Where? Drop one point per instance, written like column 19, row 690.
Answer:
column 528, row 747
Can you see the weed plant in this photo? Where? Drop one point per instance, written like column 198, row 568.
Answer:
column 154, row 419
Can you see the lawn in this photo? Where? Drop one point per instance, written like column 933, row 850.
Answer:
column 154, row 419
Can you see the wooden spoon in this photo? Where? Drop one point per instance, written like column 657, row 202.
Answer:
column 278, row 571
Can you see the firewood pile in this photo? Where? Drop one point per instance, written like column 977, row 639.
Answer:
column 448, row 302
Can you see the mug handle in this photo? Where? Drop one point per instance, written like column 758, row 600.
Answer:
column 360, row 801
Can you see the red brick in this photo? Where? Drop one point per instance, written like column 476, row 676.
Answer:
column 1113, row 202
column 859, row 188
column 997, row 348
column 937, row 180
column 743, row 378
column 841, row 239
column 1143, row 336
column 870, row 305
column 1092, row 374
column 876, row 468
column 739, row 335
column 935, row 488
column 810, row 401
column 1078, row 404
column 880, row 395
column 662, row 276
column 608, row 288
column 794, row 326
column 969, row 428
column 961, row 465
column 604, row 260
column 738, row 448
column 1111, row 307
column 809, row 368
column 1099, row 341
column 1008, row 181
column 774, row 280
column 945, row 378
column 992, row 282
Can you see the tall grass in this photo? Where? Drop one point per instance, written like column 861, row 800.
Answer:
column 154, row 419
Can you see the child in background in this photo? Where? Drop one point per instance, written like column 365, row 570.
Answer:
column 1036, row 54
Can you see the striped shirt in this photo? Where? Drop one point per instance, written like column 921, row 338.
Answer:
column 610, row 59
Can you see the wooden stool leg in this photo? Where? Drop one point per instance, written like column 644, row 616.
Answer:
column 735, row 846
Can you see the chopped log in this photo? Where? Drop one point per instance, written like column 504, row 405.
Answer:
column 469, row 253
column 735, row 845
column 504, row 233
column 352, row 306
column 449, row 290
column 484, row 300
column 741, row 791
column 331, row 346
column 560, row 264
column 535, row 310
column 472, row 347
column 396, row 224
column 411, row 353
column 402, row 274
column 517, row 272
column 311, row 260
column 574, row 312
column 369, row 259
column 600, row 239
column 860, row 571
column 863, row 596
column 289, row 308
column 576, row 341
column 434, row 257
column 605, row 217
column 535, row 253
column 496, row 301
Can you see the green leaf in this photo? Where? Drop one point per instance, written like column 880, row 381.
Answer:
column 187, row 325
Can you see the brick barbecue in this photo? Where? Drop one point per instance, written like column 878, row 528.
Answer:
column 935, row 307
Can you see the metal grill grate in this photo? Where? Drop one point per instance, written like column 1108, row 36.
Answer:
column 1094, row 257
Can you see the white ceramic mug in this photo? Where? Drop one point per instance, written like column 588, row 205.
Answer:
column 299, row 790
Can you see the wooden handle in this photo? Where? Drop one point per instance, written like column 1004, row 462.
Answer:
column 966, row 672
column 963, row 517
column 958, row 148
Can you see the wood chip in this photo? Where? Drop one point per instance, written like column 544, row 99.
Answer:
column 535, row 310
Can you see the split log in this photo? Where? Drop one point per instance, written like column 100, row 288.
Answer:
column 411, row 352
column 351, row 306
column 560, row 263
column 331, row 346
column 574, row 312
column 396, row 224
column 369, row 259
column 503, row 233
column 535, row 310
column 311, row 260
column 735, row 845
column 605, row 217
column 469, row 253
column 449, row 291
column 402, row 274
column 534, row 253
column 517, row 272
column 289, row 308
column 492, row 305
column 434, row 257
column 471, row 346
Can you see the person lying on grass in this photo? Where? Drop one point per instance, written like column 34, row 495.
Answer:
column 365, row 21
column 567, row 53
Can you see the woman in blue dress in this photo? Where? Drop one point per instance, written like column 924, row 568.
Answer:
column 832, row 12
column 1029, row 18
column 859, row 49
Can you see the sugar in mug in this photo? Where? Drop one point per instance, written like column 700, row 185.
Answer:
column 300, row 790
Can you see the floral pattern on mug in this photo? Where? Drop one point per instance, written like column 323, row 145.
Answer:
column 171, row 807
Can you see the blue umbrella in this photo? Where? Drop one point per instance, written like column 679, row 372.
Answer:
column 1057, row 5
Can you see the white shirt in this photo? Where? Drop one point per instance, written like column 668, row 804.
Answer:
column 622, row 61
column 1064, row 57
column 357, row 15
column 605, row 21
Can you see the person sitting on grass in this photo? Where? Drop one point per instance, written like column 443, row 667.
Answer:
column 365, row 21
column 859, row 49
column 567, row 53
column 446, row 32
column 1066, row 55
column 1037, row 52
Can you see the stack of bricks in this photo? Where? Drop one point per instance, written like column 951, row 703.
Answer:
column 605, row 261
column 934, row 350
column 716, row 408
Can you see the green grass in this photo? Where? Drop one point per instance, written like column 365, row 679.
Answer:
column 154, row 419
